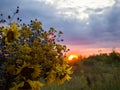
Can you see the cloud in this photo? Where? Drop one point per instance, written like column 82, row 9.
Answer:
column 77, row 8
column 86, row 23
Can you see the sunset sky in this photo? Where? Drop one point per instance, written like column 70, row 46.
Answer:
column 89, row 26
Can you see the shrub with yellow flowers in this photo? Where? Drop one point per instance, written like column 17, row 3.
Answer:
column 31, row 57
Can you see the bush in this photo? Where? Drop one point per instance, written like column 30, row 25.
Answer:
column 30, row 55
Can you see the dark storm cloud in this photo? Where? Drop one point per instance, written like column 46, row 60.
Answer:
column 102, row 31
column 106, row 28
column 99, row 30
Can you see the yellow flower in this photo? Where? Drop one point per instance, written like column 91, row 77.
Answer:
column 11, row 33
column 29, row 71
column 16, row 86
column 51, row 77
column 25, row 31
column 37, row 70
column 14, row 26
column 63, row 73
column 60, row 80
column 25, row 49
column 36, row 25
column 35, row 85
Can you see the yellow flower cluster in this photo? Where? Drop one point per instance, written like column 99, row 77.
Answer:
column 33, row 56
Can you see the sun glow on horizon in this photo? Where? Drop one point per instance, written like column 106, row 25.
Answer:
column 72, row 57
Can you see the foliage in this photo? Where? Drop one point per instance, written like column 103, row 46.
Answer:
column 111, row 58
column 29, row 54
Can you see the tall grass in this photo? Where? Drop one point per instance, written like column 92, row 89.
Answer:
column 92, row 75
column 104, row 78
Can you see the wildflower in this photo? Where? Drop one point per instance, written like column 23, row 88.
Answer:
column 35, row 85
column 36, row 25
column 63, row 73
column 29, row 70
column 25, row 32
column 11, row 34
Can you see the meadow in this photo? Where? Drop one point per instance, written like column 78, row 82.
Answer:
column 97, row 72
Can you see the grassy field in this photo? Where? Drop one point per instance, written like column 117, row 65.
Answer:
column 92, row 75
